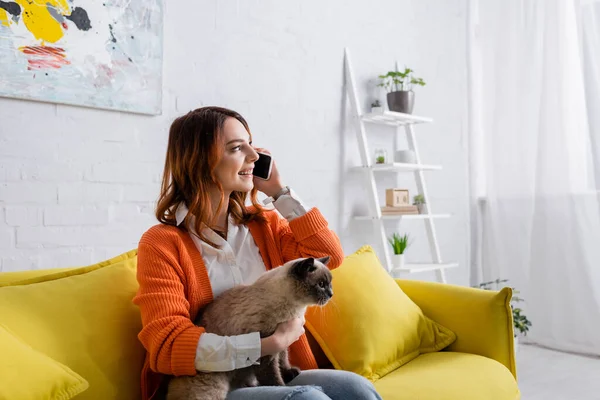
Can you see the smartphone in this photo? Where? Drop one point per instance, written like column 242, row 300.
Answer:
column 262, row 166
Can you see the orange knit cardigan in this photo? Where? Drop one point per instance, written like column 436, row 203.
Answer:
column 174, row 286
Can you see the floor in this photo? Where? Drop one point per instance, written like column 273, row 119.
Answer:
column 545, row 374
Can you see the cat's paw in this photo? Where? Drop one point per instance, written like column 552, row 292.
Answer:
column 289, row 374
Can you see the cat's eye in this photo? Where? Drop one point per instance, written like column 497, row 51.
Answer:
column 323, row 284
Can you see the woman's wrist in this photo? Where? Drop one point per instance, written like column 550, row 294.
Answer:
column 269, row 346
column 273, row 191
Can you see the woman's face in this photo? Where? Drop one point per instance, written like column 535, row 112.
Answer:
column 234, row 170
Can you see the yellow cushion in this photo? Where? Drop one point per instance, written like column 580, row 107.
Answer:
column 370, row 326
column 449, row 376
column 7, row 278
column 83, row 318
column 26, row 374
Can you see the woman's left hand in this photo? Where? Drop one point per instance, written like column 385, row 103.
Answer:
column 272, row 186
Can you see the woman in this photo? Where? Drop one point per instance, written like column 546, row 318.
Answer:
column 210, row 241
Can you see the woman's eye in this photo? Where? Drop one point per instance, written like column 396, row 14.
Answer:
column 236, row 148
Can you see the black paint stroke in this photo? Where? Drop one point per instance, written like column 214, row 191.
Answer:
column 80, row 17
column 112, row 35
column 11, row 7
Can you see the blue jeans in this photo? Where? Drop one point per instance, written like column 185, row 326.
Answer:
column 314, row 384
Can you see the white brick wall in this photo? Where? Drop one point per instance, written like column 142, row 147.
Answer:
column 77, row 185
column 24, row 215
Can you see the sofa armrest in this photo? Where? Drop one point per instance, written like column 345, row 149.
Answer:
column 481, row 319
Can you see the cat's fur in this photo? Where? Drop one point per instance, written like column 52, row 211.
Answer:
column 277, row 296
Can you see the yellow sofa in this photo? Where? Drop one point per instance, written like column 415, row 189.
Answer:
column 480, row 364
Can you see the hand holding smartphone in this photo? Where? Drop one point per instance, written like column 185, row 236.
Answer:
column 266, row 174
column 263, row 166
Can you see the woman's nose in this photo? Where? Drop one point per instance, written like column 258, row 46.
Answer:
column 252, row 155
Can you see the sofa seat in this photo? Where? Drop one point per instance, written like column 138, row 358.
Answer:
column 449, row 375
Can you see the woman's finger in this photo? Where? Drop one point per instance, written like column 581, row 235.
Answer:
column 262, row 150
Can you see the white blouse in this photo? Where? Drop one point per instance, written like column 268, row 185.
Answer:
column 238, row 261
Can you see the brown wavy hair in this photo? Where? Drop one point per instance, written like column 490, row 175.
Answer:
column 195, row 148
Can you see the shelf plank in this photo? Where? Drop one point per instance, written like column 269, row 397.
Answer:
column 397, row 167
column 402, row 216
column 394, row 118
column 412, row 268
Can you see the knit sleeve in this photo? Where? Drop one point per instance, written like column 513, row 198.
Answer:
column 168, row 334
column 308, row 236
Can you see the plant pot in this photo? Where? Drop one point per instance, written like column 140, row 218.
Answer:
column 377, row 110
column 422, row 208
column 401, row 101
column 398, row 260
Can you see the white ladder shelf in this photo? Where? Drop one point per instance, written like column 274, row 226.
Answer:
column 399, row 121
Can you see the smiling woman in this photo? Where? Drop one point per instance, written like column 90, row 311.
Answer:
column 210, row 241
column 209, row 155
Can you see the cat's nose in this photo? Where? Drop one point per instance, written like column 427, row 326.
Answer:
column 329, row 292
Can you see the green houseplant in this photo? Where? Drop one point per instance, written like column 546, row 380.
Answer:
column 399, row 245
column 399, row 85
column 419, row 201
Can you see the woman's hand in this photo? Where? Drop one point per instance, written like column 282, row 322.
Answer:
column 272, row 186
column 286, row 333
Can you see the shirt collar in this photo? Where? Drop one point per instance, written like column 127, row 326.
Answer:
column 181, row 213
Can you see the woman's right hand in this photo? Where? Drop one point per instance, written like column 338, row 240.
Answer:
column 285, row 334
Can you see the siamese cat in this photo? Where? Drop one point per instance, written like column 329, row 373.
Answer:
column 277, row 296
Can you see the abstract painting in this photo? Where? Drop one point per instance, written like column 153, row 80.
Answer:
column 96, row 53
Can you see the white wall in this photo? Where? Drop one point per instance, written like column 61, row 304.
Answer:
column 77, row 185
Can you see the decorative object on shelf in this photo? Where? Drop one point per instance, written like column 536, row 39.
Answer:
column 520, row 321
column 419, row 201
column 399, row 245
column 399, row 210
column 380, row 156
column 400, row 97
column 376, row 107
column 396, row 197
column 405, row 156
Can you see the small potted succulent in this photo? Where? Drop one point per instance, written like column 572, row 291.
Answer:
column 376, row 107
column 399, row 85
column 399, row 245
column 419, row 201
column 380, row 156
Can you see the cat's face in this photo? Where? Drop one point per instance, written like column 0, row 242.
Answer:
column 312, row 280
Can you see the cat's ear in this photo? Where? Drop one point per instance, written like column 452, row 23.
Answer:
column 324, row 260
column 303, row 267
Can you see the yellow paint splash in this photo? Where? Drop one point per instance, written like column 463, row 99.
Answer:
column 40, row 22
column 4, row 17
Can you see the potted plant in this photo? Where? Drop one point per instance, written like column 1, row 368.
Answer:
column 399, row 245
column 380, row 156
column 376, row 107
column 419, row 201
column 399, row 85
column 521, row 323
